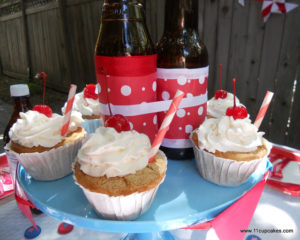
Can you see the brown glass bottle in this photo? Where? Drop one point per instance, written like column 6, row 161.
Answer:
column 125, row 63
column 20, row 94
column 180, row 48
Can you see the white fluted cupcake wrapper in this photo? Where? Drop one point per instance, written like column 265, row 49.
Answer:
column 49, row 165
column 90, row 125
column 121, row 207
column 227, row 172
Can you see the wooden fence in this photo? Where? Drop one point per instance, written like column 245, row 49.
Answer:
column 58, row 37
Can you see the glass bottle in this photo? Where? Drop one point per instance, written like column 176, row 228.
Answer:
column 182, row 64
column 125, row 63
column 20, row 94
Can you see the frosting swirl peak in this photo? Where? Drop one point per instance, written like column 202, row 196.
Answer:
column 107, row 152
column 226, row 134
column 34, row 129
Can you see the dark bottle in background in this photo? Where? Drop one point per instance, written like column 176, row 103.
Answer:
column 20, row 94
column 182, row 63
column 125, row 63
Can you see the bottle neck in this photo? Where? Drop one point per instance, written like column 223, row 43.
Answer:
column 128, row 10
column 22, row 103
column 182, row 16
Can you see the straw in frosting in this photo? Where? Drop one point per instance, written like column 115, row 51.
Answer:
column 68, row 110
column 263, row 109
column 165, row 124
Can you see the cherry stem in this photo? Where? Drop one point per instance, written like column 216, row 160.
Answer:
column 43, row 76
column 106, row 89
column 233, row 82
column 220, row 83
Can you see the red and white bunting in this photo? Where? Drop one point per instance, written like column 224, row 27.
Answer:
column 276, row 6
column 273, row 6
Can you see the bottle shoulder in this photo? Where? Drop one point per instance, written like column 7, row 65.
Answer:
column 124, row 38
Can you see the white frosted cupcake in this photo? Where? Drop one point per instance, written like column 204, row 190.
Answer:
column 217, row 106
column 37, row 144
column 228, row 151
column 87, row 103
column 113, row 171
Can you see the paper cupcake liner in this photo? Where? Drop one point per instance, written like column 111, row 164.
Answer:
column 90, row 125
column 227, row 172
column 121, row 207
column 49, row 165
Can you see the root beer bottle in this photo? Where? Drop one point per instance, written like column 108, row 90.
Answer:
column 125, row 62
column 182, row 63
column 20, row 94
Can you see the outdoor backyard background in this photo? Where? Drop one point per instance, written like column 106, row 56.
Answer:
column 58, row 37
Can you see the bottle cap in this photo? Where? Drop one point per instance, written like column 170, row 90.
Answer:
column 19, row 90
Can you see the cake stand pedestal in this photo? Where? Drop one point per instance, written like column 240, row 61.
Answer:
column 183, row 199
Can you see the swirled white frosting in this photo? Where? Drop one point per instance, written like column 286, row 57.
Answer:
column 217, row 107
column 36, row 129
column 228, row 135
column 86, row 106
column 107, row 152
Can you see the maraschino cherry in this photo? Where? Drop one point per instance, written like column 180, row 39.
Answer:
column 90, row 91
column 220, row 93
column 42, row 108
column 117, row 121
column 239, row 112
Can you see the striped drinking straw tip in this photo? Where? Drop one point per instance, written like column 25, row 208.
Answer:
column 165, row 124
column 263, row 109
column 68, row 110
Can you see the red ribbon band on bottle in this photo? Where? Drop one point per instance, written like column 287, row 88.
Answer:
column 127, row 81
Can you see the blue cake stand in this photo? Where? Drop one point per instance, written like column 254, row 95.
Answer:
column 182, row 200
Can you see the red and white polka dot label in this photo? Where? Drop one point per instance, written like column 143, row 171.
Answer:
column 194, row 83
column 129, row 83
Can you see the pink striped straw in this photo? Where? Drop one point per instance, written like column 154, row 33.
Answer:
column 165, row 124
column 263, row 109
column 68, row 110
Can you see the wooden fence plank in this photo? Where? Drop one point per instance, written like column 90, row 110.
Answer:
column 224, row 35
column 282, row 107
column 238, row 43
column 210, row 21
column 269, row 63
column 294, row 124
column 252, row 58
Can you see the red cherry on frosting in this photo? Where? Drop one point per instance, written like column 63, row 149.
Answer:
column 237, row 112
column 118, row 122
column 44, row 109
column 90, row 91
column 220, row 94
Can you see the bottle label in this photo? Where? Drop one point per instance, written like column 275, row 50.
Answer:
column 128, row 84
column 188, row 117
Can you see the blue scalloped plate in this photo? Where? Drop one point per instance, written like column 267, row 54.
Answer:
column 182, row 200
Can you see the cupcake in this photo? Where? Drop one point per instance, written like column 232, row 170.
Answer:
column 228, row 150
column 113, row 171
column 87, row 103
column 216, row 106
column 38, row 145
